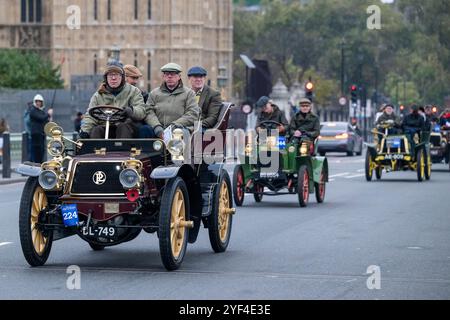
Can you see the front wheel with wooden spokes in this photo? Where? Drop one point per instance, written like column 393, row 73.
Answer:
column 369, row 166
column 221, row 218
column 320, row 187
column 36, row 243
column 420, row 165
column 303, row 186
column 238, row 185
column 173, row 223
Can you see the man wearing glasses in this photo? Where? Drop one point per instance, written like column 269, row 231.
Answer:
column 114, row 91
column 305, row 124
column 172, row 103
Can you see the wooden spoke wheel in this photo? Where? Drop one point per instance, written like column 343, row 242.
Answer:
column 221, row 218
column 36, row 244
column 173, row 225
column 238, row 186
column 303, row 186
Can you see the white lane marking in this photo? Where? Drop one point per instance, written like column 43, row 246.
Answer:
column 331, row 180
column 355, row 176
column 4, row 243
column 360, row 170
column 340, row 174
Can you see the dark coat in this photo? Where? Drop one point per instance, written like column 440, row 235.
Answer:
column 277, row 115
column 210, row 103
column 38, row 119
column 309, row 124
column 413, row 121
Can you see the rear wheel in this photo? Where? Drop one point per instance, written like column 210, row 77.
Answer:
column 238, row 186
column 221, row 218
column 420, row 165
column 259, row 192
column 349, row 153
column 428, row 166
column 36, row 244
column 320, row 188
column 173, row 217
column 303, row 186
column 369, row 166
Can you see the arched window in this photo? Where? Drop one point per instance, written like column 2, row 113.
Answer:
column 95, row 64
column 95, row 10
column 136, row 9
column 109, row 10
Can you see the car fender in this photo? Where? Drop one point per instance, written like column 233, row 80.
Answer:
column 28, row 170
column 319, row 164
column 372, row 149
column 165, row 172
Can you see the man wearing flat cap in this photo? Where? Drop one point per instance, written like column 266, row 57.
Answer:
column 268, row 111
column 172, row 103
column 132, row 76
column 208, row 100
column 305, row 123
column 114, row 91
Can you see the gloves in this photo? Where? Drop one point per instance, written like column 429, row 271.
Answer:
column 128, row 111
column 83, row 135
column 158, row 131
column 297, row 134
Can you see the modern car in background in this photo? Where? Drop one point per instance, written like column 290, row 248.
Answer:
column 339, row 137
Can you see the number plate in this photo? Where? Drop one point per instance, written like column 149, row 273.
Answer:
column 282, row 143
column 70, row 215
column 107, row 232
column 394, row 157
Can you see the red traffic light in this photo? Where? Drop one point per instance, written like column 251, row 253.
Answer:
column 309, row 86
column 402, row 107
column 353, row 88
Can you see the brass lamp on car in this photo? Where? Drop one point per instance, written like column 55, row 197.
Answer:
column 51, row 176
column 176, row 145
column 304, row 149
column 130, row 177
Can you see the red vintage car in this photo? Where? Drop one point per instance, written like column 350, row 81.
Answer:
column 107, row 191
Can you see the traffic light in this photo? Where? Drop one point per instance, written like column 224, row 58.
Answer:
column 309, row 90
column 354, row 94
column 402, row 108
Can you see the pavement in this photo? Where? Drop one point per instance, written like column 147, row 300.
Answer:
column 386, row 239
column 15, row 177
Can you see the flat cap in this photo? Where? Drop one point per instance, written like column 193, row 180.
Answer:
column 132, row 71
column 304, row 100
column 197, row 71
column 172, row 67
column 262, row 102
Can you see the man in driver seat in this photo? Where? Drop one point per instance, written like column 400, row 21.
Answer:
column 114, row 91
column 270, row 112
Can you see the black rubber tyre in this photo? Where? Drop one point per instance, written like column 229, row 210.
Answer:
column 32, row 202
column 427, row 165
column 320, row 188
column 238, row 185
column 303, row 186
column 220, row 222
column 369, row 171
column 96, row 247
column 378, row 172
column 420, row 165
column 258, row 195
column 173, row 191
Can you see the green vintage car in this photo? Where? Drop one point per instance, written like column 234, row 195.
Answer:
column 398, row 152
column 297, row 170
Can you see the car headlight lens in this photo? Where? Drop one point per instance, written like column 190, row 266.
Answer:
column 55, row 148
column 48, row 179
column 129, row 178
column 157, row 145
column 175, row 147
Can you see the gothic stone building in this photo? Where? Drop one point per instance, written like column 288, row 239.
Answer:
column 148, row 33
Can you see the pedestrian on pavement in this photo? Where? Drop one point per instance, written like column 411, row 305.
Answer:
column 77, row 121
column 38, row 118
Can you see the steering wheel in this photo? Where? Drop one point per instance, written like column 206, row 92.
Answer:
column 270, row 124
column 107, row 113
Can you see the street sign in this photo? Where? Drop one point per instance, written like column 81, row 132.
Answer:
column 343, row 101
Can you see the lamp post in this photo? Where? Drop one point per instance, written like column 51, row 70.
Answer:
column 222, row 80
